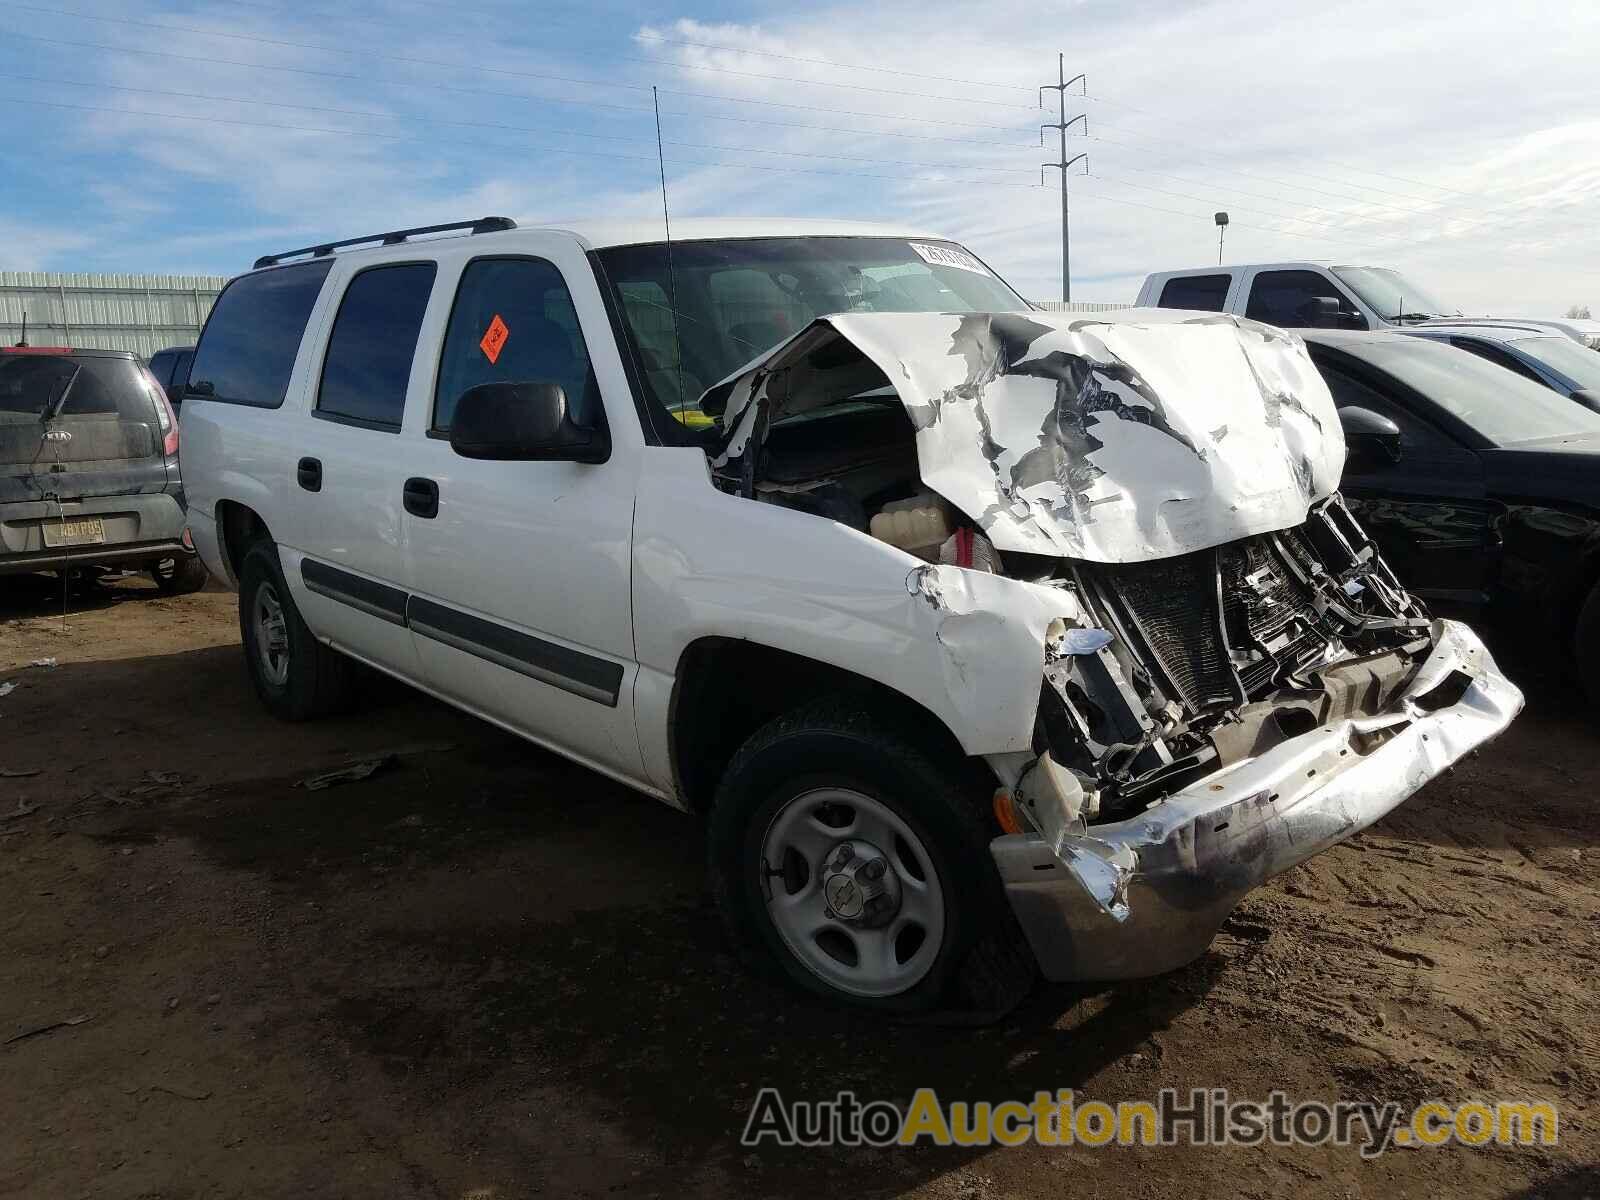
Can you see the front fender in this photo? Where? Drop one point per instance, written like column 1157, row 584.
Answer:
column 967, row 646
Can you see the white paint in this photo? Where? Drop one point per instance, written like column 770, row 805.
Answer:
column 636, row 559
column 1251, row 435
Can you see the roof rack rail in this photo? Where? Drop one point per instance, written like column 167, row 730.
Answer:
column 393, row 238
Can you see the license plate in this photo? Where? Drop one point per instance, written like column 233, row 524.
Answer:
column 75, row 531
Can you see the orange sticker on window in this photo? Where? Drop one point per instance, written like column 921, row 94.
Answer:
column 494, row 339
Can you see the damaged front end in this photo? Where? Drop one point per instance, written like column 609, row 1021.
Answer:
column 1230, row 680
column 1297, row 696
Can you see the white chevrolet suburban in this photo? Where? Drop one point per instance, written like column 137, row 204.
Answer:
column 989, row 641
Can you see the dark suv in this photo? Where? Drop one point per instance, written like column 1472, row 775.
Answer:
column 171, row 369
column 89, row 467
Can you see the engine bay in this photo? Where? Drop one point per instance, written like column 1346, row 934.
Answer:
column 1213, row 656
column 1179, row 480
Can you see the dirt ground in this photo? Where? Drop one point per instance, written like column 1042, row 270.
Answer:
column 488, row 973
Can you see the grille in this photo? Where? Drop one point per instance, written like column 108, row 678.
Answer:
column 1172, row 605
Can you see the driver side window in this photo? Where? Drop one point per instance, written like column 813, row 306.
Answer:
column 1295, row 300
column 1415, row 433
column 513, row 322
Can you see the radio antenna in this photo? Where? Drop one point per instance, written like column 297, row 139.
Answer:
column 672, row 275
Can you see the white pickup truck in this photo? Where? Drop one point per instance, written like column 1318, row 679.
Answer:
column 1316, row 295
column 988, row 640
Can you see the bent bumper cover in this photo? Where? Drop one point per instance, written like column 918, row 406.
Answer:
column 1148, row 894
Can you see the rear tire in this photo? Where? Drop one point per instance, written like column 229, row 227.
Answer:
column 180, row 574
column 296, row 676
column 940, row 939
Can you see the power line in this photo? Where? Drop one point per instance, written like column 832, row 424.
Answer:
column 661, row 39
column 1331, row 161
column 365, row 133
column 615, row 137
column 438, row 87
column 750, row 120
column 1381, row 237
column 459, row 66
column 1229, row 168
column 1469, row 221
column 1304, row 235
column 828, row 63
column 1335, row 212
column 1431, row 205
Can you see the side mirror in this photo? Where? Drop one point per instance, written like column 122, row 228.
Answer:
column 1321, row 312
column 1372, row 439
column 528, row 422
column 1589, row 398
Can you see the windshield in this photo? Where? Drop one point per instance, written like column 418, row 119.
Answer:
column 739, row 298
column 1391, row 295
column 1577, row 363
column 1499, row 404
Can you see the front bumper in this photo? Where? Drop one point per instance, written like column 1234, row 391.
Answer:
column 1146, row 895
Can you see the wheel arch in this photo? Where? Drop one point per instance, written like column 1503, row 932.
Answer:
column 238, row 525
column 727, row 688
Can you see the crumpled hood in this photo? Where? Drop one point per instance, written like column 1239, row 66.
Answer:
column 1122, row 438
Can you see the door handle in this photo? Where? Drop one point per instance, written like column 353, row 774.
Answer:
column 421, row 497
column 309, row 473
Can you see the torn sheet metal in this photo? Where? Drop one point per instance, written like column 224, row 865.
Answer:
column 1145, row 895
column 985, row 626
column 1114, row 439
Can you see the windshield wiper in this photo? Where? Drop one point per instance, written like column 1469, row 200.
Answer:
column 1412, row 316
column 53, row 405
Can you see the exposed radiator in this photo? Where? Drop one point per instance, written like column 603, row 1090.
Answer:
column 1173, row 606
column 1190, row 610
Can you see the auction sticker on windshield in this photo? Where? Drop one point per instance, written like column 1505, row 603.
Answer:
column 949, row 256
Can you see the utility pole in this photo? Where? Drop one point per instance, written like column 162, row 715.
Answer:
column 1060, row 88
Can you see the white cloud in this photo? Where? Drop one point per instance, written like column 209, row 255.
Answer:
column 1444, row 138
column 1358, row 131
column 33, row 246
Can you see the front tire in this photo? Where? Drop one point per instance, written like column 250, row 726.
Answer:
column 1586, row 647
column 296, row 676
column 854, row 865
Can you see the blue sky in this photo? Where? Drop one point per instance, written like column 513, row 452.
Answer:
column 1459, row 141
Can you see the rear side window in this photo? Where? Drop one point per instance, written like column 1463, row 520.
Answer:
column 247, row 351
column 1295, row 299
column 513, row 322
column 1497, row 356
column 374, row 339
column 1205, row 292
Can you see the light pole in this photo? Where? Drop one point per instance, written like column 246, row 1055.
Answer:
column 1221, row 219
